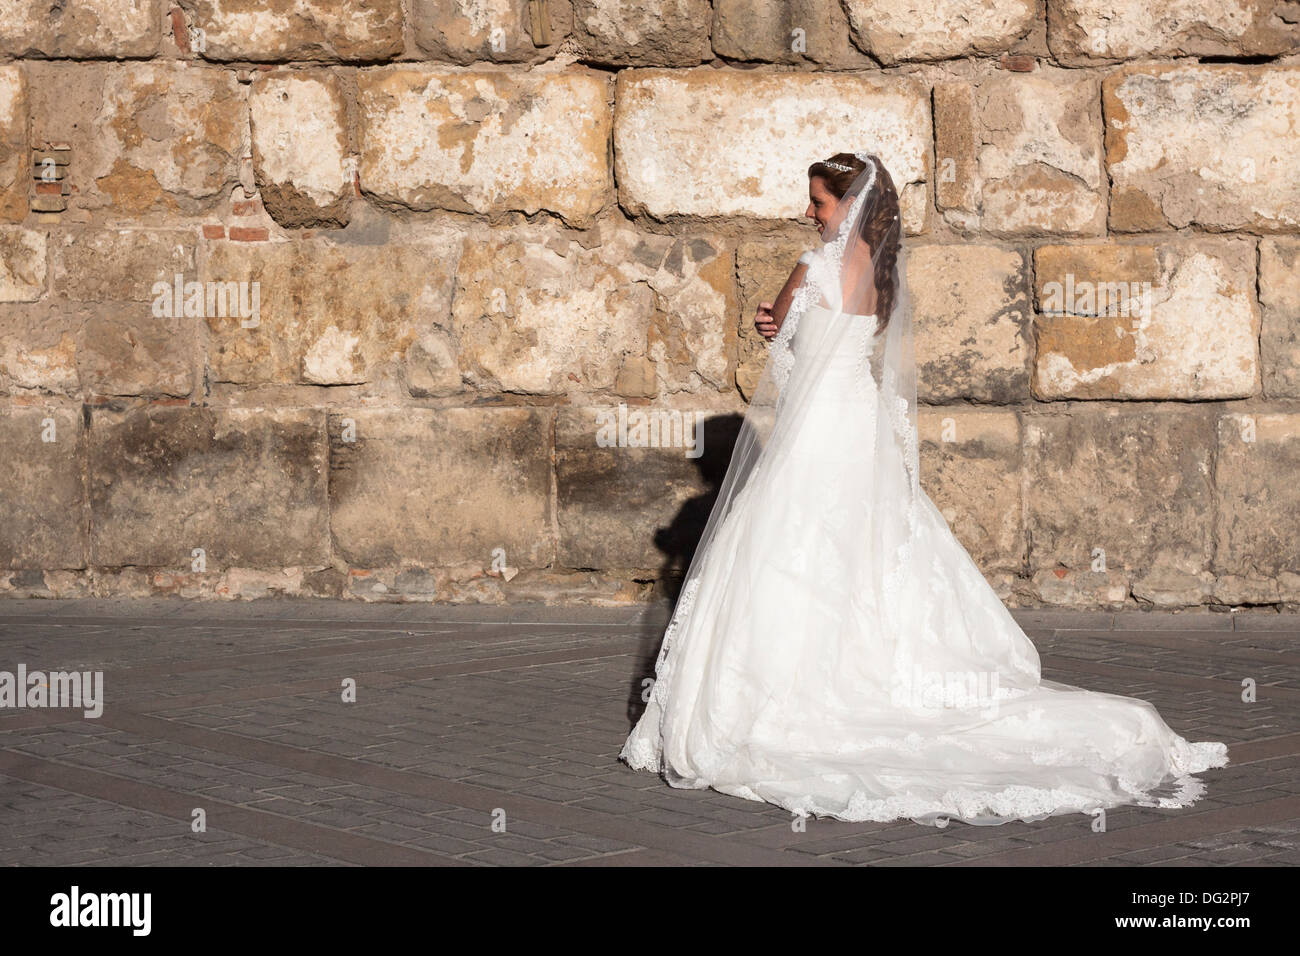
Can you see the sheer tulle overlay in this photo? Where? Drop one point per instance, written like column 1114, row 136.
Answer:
column 799, row 671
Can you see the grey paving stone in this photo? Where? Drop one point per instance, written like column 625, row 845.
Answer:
column 470, row 701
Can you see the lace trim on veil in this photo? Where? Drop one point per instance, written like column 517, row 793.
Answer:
column 898, row 415
column 1025, row 803
column 824, row 267
column 644, row 752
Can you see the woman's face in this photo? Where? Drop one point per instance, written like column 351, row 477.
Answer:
column 821, row 204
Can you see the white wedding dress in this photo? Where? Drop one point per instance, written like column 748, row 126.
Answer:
column 781, row 679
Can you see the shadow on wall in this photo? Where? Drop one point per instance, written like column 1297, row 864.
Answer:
column 677, row 542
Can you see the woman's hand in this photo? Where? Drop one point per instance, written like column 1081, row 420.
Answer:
column 765, row 322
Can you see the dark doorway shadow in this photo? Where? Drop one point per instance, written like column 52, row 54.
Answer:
column 677, row 542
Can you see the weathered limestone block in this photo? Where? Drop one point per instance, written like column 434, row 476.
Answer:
column 971, row 467
column 762, row 268
column 1205, row 145
column 1079, row 31
column 38, row 349
column 46, row 585
column 1288, row 585
column 156, row 139
column 22, row 264
column 956, row 168
column 1124, row 492
column 466, row 31
column 1038, row 156
column 81, row 28
column 690, row 142
column 417, row 584
column 300, row 148
column 1167, row 588
column 761, row 29
column 784, row 31
column 246, row 584
column 432, row 363
column 971, row 314
column 439, row 487
column 42, row 493
column 15, row 159
column 576, row 588
column 1061, row 587
column 118, row 265
column 1279, row 294
column 649, row 33
column 1173, row 321
column 536, row 312
column 1241, row 589
column 247, row 485
column 297, row 29
column 461, row 584
column 1257, row 531
column 112, row 339
column 895, row 30
column 124, row 349
column 332, row 313
column 486, row 142
column 632, row 504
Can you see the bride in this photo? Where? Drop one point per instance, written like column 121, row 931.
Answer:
column 835, row 650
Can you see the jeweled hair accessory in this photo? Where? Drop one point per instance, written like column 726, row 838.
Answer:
column 865, row 157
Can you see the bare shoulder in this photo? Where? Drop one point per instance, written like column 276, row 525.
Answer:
column 859, row 256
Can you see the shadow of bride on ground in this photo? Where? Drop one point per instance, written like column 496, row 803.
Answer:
column 677, row 542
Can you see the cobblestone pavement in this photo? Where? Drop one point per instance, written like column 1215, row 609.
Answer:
column 465, row 714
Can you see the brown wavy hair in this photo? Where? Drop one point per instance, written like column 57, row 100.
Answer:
column 882, row 231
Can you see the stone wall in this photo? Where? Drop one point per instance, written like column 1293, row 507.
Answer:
column 330, row 297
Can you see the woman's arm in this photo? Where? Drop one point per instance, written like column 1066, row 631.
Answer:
column 770, row 315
